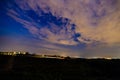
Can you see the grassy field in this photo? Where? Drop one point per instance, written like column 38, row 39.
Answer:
column 31, row 68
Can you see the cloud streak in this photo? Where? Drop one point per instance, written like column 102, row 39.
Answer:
column 94, row 20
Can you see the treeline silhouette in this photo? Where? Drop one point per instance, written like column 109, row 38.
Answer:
column 26, row 67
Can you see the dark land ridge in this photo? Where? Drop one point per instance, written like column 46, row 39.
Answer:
column 31, row 68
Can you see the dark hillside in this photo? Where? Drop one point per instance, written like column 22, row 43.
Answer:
column 30, row 68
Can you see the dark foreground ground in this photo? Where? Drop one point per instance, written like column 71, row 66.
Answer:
column 29, row 68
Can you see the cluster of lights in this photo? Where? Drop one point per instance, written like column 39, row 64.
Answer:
column 12, row 53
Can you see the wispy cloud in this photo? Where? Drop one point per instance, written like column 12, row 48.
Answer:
column 45, row 26
column 95, row 20
column 33, row 46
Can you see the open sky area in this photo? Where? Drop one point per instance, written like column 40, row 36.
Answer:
column 82, row 28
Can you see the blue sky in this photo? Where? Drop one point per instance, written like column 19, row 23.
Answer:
column 83, row 28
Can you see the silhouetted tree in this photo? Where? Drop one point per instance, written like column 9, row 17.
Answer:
column 28, row 54
column 68, row 57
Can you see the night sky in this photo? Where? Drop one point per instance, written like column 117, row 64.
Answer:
column 81, row 28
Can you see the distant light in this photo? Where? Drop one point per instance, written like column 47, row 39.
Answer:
column 108, row 58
